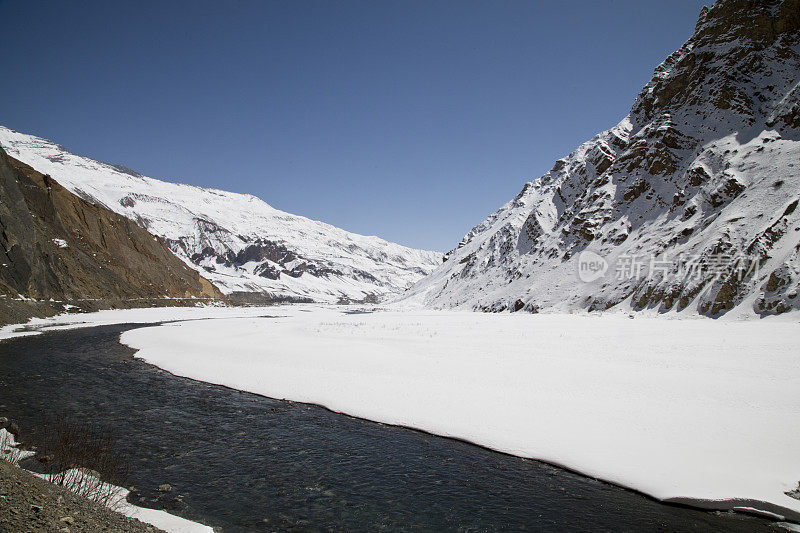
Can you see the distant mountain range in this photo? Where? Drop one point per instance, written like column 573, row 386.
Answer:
column 689, row 203
column 240, row 243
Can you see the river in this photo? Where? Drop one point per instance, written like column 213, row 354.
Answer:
column 242, row 462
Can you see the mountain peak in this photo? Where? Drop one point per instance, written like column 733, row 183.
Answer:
column 697, row 181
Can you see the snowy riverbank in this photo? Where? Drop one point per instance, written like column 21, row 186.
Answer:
column 87, row 487
column 682, row 410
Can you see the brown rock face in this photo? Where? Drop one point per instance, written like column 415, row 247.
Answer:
column 56, row 245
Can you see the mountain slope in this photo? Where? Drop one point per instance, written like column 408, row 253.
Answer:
column 56, row 245
column 237, row 241
column 690, row 202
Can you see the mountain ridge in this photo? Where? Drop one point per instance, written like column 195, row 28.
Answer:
column 704, row 169
column 238, row 241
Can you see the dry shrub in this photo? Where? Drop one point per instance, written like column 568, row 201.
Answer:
column 83, row 460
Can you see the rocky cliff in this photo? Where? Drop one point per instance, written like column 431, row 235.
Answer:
column 55, row 245
column 688, row 204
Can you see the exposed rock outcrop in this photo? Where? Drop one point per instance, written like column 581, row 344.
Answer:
column 55, row 245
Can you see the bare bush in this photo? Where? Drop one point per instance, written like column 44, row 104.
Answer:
column 83, row 460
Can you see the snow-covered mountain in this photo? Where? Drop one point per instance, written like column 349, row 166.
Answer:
column 237, row 241
column 690, row 202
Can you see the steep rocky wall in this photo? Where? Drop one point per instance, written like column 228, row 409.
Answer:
column 54, row 245
column 688, row 203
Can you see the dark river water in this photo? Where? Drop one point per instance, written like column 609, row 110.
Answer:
column 242, row 462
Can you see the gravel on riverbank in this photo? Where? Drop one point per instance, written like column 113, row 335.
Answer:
column 28, row 503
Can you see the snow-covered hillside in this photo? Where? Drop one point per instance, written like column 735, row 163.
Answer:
column 689, row 203
column 237, row 241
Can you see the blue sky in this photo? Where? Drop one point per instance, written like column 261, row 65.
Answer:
column 407, row 119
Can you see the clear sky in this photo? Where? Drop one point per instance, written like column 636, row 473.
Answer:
column 407, row 119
